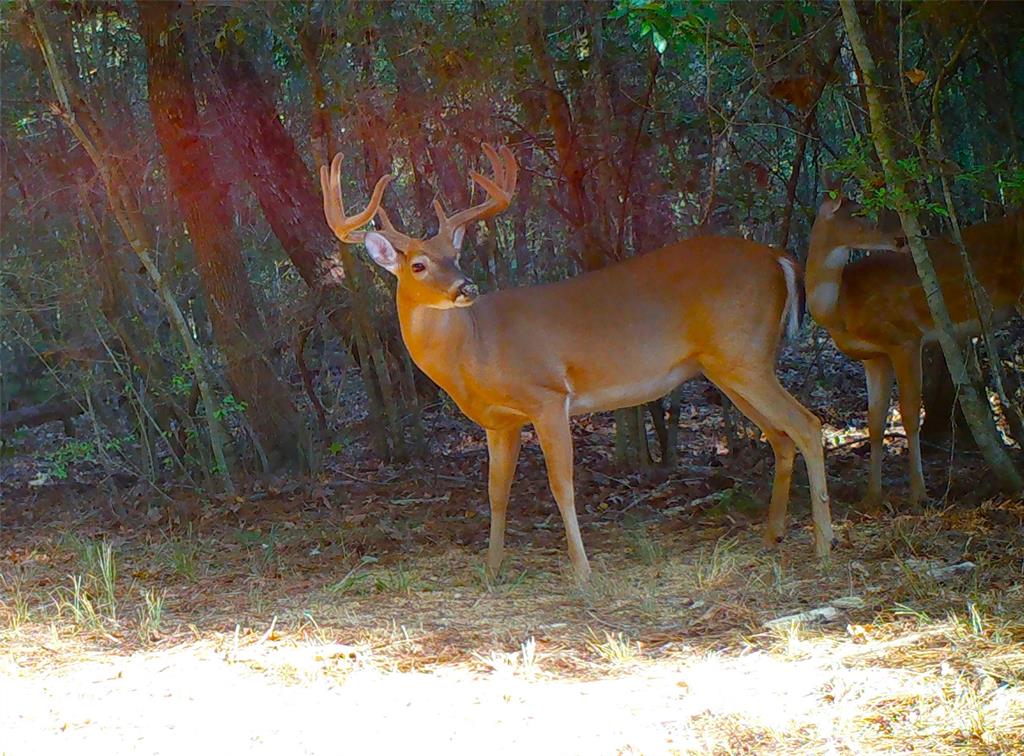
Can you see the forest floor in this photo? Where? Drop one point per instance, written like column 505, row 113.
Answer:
column 351, row 612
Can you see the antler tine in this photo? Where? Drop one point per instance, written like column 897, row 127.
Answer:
column 343, row 226
column 511, row 169
column 396, row 237
column 442, row 219
column 499, row 190
column 497, row 163
column 333, row 210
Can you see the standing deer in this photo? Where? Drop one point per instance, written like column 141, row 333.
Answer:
column 876, row 312
column 612, row 338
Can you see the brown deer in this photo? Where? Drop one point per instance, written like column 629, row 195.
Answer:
column 876, row 312
column 615, row 337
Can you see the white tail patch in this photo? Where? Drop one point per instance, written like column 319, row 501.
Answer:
column 790, row 321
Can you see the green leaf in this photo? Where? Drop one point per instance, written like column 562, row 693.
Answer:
column 660, row 43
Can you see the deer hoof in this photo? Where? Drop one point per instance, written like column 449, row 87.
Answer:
column 772, row 539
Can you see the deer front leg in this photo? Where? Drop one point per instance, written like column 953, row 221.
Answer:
column 879, row 375
column 556, row 443
column 503, row 452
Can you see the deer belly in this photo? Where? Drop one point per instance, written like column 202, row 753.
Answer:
column 628, row 394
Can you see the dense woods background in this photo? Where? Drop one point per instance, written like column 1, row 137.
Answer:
column 170, row 289
column 225, row 489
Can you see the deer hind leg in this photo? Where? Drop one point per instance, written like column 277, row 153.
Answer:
column 763, row 392
column 907, row 364
column 785, row 452
column 556, row 443
column 879, row 376
column 503, row 453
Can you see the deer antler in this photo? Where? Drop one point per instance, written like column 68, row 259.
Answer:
column 499, row 191
column 396, row 237
column 343, row 226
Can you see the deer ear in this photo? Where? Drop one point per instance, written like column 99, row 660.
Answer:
column 830, row 204
column 382, row 252
column 457, row 236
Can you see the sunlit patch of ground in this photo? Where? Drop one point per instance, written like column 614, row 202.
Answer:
column 273, row 640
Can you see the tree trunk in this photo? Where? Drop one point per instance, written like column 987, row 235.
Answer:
column 979, row 297
column 976, row 411
column 118, row 306
column 78, row 117
column 353, row 269
column 806, row 126
column 593, row 251
column 943, row 417
column 520, row 229
column 202, row 199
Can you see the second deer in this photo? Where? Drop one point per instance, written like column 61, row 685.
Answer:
column 612, row 338
column 875, row 309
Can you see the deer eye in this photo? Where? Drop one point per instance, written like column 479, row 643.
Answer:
column 418, row 267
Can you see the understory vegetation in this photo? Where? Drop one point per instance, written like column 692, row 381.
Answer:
column 229, row 496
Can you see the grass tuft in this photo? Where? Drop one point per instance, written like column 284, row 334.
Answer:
column 615, row 648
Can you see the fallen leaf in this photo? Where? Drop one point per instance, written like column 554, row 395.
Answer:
column 915, row 76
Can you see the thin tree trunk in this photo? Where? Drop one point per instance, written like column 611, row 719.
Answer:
column 351, row 267
column 118, row 307
column 521, row 242
column 593, row 251
column 943, row 417
column 801, row 145
column 977, row 412
column 76, row 115
column 979, row 297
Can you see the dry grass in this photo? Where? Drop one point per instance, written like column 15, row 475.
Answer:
column 908, row 663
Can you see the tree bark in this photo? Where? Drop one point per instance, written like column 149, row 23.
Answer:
column 202, row 199
column 979, row 297
column 77, row 115
column 801, row 145
column 943, row 417
column 359, row 296
column 593, row 251
column 976, row 411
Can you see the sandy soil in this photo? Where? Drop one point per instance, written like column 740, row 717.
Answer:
column 192, row 699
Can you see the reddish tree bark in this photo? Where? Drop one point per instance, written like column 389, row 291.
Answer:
column 202, row 199
column 276, row 174
column 594, row 251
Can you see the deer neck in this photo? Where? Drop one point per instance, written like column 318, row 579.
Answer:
column 435, row 338
column 824, row 277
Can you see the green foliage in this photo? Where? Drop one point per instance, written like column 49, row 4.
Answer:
column 150, row 614
column 60, row 460
column 681, row 23
column 410, row 88
column 230, row 408
column 181, row 384
column 859, row 163
column 1009, row 181
column 72, row 452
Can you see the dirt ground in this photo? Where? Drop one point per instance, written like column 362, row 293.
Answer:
column 350, row 612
